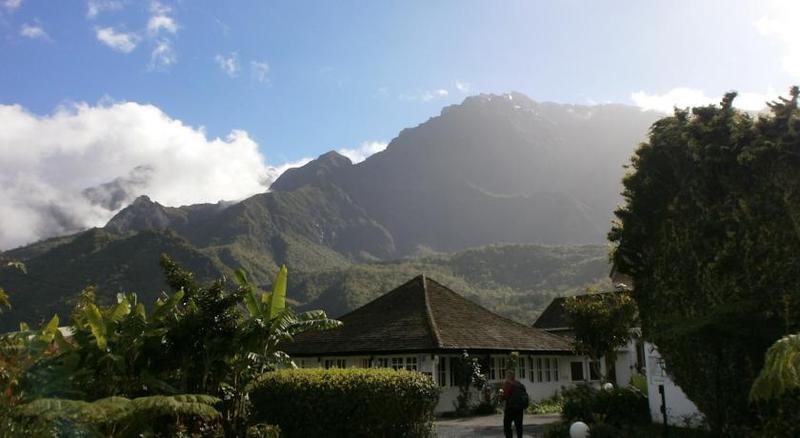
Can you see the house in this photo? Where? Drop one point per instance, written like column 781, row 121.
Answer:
column 424, row 326
column 636, row 356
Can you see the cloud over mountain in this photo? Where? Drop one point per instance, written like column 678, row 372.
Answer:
column 76, row 167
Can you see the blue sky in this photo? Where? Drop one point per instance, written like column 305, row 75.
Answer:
column 341, row 73
column 197, row 100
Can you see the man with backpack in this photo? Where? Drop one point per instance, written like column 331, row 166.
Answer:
column 516, row 398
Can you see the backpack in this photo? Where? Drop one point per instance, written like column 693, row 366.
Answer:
column 519, row 397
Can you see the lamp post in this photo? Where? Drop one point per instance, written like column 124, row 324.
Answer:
column 579, row 429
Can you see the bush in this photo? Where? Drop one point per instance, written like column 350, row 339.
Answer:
column 351, row 403
column 552, row 405
column 262, row 430
column 619, row 407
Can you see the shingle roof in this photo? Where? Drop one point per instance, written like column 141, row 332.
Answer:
column 423, row 315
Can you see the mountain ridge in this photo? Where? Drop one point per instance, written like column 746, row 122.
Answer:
column 493, row 170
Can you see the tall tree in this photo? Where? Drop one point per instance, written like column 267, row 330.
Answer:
column 603, row 323
column 710, row 234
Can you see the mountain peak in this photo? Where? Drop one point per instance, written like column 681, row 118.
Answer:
column 142, row 214
column 142, row 200
column 334, row 158
column 315, row 171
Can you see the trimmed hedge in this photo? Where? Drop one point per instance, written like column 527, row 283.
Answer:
column 346, row 402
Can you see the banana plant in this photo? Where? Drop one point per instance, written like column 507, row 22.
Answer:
column 265, row 306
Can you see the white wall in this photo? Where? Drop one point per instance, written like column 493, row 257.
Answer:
column 680, row 410
column 537, row 388
column 626, row 363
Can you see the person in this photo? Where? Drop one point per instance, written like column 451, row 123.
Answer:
column 513, row 410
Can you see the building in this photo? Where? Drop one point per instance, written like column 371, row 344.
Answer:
column 630, row 359
column 424, row 326
column 636, row 356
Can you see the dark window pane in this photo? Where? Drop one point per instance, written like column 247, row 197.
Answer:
column 577, row 370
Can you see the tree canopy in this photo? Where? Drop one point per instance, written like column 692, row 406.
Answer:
column 710, row 234
column 602, row 323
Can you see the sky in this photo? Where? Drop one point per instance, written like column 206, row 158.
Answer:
column 199, row 100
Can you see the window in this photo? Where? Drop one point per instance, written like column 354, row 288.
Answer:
column 576, row 369
column 554, row 364
column 366, row 363
column 499, row 370
column 397, row 363
column 544, row 369
column 383, row 362
column 539, row 371
column 411, row 363
column 531, row 369
column 521, row 368
column 335, row 363
column 594, row 370
column 547, row 375
column 453, row 372
column 442, row 371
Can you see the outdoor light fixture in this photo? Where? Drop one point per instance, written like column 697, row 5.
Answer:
column 579, row 429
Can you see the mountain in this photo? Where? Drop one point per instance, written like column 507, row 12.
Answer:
column 497, row 170
column 492, row 169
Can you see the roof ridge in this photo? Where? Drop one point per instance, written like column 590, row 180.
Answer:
column 429, row 311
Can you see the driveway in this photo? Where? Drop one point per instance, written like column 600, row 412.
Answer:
column 490, row 426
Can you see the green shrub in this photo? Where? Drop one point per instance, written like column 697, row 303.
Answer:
column 552, row 405
column 187, row 414
column 619, row 407
column 351, row 403
column 262, row 430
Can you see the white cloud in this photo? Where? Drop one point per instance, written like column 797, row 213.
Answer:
column 95, row 7
column 157, row 23
column 11, row 5
column 162, row 56
column 33, row 31
column 229, row 64
column 425, row 96
column 158, row 8
column 119, row 41
column 363, row 151
column 260, row 71
column 682, row 97
column 117, row 151
column 781, row 22
column 463, row 87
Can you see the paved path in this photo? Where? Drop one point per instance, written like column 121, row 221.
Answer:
column 490, row 426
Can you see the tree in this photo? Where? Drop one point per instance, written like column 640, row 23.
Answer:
column 710, row 235
column 4, row 300
column 603, row 323
column 212, row 340
column 467, row 374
